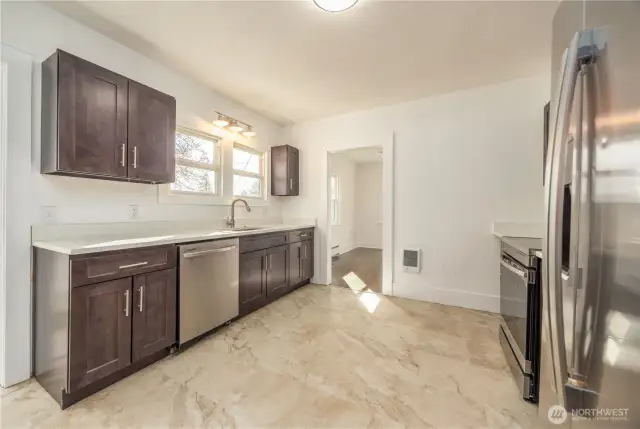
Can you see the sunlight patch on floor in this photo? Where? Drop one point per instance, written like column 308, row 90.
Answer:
column 354, row 282
column 370, row 300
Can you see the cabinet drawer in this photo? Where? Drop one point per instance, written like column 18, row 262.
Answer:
column 259, row 242
column 301, row 235
column 94, row 268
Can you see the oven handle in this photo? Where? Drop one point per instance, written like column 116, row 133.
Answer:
column 520, row 273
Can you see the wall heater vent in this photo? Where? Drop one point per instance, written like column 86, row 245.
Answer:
column 411, row 260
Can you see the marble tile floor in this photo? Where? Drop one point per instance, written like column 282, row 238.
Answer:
column 321, row 357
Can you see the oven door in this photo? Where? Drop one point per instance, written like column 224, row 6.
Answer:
column 515, row 283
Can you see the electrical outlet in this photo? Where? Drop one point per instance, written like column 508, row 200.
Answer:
column 134, row 211
column 49, row 214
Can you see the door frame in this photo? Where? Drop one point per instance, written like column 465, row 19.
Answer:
column 15, row 218
column 388, row 145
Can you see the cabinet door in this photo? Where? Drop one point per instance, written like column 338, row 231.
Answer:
column 92, row 118
column 154, row 312
column 307, row 259
column 253, row 293
column 294, row 172
column 277, row 263
column 152, row 134
column 100, row 331
column 295, row 264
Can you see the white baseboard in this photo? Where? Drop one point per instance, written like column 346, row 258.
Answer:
column 456, row 298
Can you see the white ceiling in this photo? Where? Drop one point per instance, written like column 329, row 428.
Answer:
column 363, row 155
column 293, row 62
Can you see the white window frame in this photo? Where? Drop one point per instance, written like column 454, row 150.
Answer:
column 261, row 175
column 335, row 201
column 216, row 168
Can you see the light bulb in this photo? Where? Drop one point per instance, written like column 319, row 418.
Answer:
column 249, row 133
column 235, row 127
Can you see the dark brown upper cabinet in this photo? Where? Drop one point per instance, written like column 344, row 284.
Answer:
column 152, row 134
column 99, row 124
column 285, row 171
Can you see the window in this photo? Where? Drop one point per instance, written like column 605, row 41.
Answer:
column 197, row 164
column 334, row 185
column 248, row 172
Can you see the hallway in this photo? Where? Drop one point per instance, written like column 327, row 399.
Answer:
column 358, row 269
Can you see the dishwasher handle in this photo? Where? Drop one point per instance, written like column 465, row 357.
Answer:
column 207, row 252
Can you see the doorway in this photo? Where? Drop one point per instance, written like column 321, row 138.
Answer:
column 356, row 218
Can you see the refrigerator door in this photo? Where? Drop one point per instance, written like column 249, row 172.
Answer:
column 567, row 25
column 605, row 370
column 590, row 355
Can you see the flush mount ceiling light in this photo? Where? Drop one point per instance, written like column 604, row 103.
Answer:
column 249, row 132
column 335, row 5
column 222, row 121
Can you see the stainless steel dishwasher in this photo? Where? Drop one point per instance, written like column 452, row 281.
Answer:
column 208, row 286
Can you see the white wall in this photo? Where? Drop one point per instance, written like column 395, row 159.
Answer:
column 368, row 207
column 343, row 234
column 37, row 30
column 461, row 161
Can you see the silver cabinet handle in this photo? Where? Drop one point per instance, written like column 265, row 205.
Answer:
column 124, row 155
column 291, row 184
column 135, row 157
column 137, row 264
column 126, row 303
column 141, row 303
column 520, row 273
column 207, row 252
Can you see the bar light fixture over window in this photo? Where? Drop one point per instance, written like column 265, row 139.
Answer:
column 231, row 124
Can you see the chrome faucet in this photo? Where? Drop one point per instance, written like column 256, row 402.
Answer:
column 231, row 220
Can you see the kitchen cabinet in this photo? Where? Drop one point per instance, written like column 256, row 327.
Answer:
column 154, row 312
column 285, row 171
column 300, row 257
column 252, row 291
column 100, row 317
column 99, row 124
column 276, row 271
column 307, row 260
column 295, row 264
column 100, row 325
column 271, row 265
column 152, row 130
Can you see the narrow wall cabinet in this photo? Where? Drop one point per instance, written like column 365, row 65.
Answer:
column 285, row 171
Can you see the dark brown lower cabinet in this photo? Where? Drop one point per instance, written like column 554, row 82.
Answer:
column 277, row 275
column 100, row 331
column 307, row 260
column 253, row 293
column 295, row 264
column 88, row 334
column 269, row 271
column 154, row 312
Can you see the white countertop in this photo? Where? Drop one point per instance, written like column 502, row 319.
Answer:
column 107, row 242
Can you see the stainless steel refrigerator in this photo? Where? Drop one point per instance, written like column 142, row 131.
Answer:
column 590, row 353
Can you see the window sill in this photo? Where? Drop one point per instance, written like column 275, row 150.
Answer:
column 165, row 196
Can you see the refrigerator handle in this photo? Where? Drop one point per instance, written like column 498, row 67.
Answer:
column 587, row 293
column 575, row 273
column 552, row 266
